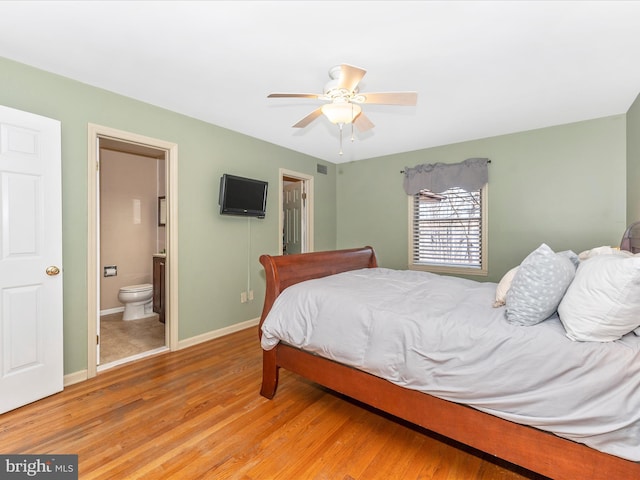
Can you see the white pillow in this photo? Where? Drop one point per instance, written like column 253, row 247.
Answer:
column 539, row 285
column 602, row 304
column 503, row 287
column 604, row 250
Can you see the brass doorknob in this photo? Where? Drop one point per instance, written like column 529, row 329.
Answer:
column 52, row 270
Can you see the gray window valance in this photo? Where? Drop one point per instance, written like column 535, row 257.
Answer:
column 472, row 174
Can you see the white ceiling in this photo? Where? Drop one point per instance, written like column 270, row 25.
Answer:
column 480, row 68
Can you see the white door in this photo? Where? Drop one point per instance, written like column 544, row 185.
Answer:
column 31, row 351
column 292, row 209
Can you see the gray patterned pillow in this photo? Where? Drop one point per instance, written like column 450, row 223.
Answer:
column 539, row 285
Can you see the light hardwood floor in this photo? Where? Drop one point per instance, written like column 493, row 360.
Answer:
column 197, row 414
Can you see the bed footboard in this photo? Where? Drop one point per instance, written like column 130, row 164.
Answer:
column 286, row 270
column 270, row 371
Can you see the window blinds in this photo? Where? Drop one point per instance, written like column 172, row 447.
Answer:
column 447, row 228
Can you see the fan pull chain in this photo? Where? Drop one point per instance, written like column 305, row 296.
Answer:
column 352, row 119
column 340, row 126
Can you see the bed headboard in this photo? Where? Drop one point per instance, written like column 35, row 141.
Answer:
column 282, row 271
column 631, row 238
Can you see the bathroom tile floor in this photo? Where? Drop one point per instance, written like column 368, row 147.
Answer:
column 120, row 339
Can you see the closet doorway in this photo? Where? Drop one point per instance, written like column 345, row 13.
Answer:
column 296, row 207
column 132, row 245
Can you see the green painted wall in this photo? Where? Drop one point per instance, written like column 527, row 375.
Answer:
column 213, row 250
column 567, row 186
column 564, row 186
column 633, row 162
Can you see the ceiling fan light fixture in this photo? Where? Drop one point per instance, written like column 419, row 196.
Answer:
column 341, row 113
column 343, row 97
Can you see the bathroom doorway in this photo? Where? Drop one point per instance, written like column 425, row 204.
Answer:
column 132, row 180
column 133, row 191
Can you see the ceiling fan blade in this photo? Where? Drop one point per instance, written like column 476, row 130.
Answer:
column 309, row 118
column 350, row 76
column 391, row 98
column 363, row 123
column 294, row 95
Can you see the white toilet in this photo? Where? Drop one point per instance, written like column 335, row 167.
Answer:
column 138, row 301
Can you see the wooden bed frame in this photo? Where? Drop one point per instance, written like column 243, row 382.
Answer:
column 528, row 447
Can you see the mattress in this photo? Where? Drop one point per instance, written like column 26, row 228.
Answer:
column 441, row 335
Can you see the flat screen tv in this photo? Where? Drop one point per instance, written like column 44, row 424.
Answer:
column 242, row 196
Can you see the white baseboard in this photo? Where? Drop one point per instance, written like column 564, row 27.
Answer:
column 205, row 337
column 75, row 377
column 109, row 311
column 81, row 375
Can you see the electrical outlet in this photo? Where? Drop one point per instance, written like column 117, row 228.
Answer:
column 250, row 295
column 243, row 297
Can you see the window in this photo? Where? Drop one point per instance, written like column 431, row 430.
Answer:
column 448, row 231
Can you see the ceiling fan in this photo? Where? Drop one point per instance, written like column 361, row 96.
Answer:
column 345, row 99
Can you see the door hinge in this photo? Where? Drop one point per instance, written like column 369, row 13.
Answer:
column 98, row 166
column 304, row 195
column 97, row 339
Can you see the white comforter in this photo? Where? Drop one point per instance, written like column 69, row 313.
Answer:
column 441, row 335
